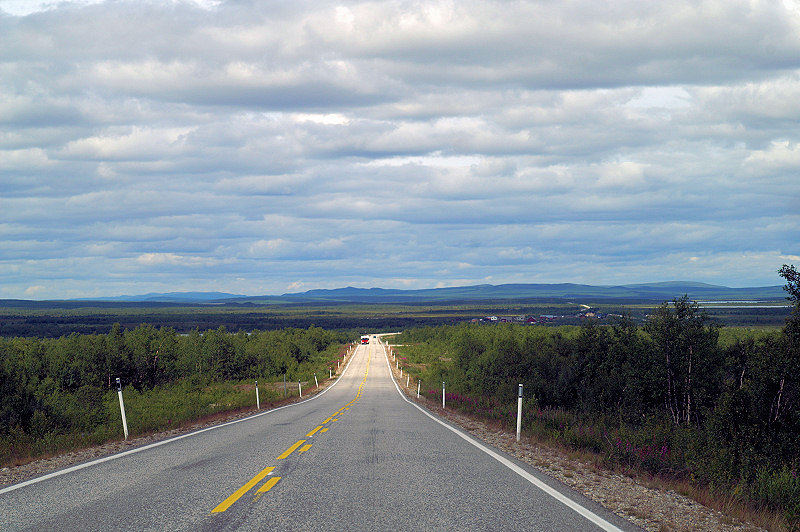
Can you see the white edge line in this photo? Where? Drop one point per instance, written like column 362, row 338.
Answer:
column 585, row 512
column 164, row 442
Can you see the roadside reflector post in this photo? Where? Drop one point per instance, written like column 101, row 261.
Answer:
column 315, row 380
column 419, row 383
column 284, row 384
column 122, row 408
column 442, row 394
column 408, row 379
column 401, row 373
column 330, row 373
column 519, row 411
column 258, row 401
column 299, row 389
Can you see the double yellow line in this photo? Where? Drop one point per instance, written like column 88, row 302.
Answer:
column 269, row 484
column 236, row 495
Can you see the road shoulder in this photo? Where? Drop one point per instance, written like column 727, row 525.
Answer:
column 648, row 506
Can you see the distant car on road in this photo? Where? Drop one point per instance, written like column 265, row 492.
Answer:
column 365, row 339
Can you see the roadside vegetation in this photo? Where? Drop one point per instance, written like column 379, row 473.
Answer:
column 60, row 394
column 675, row 398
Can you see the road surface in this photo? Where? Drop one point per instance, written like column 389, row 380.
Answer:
column 357, row 457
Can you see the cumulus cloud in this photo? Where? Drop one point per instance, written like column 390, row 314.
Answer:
column 257, row 148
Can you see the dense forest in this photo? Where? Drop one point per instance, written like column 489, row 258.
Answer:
column 60, row 393
column 667, row 397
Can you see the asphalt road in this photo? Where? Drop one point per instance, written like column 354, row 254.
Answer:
column 357, row 457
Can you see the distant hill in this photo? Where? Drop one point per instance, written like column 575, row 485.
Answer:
column 170, row 297
column 664, row 291
column 647, row 291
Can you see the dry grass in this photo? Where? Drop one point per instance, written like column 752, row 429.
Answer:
column 730, row 505
column 733, row 507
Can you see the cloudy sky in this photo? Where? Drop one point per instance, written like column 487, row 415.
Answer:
column 263, row 147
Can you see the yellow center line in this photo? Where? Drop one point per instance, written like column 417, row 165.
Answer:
column 291, row 449
column 224, row 505
column 268, row 485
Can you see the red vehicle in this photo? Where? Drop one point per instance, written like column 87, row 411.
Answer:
column 365, row 339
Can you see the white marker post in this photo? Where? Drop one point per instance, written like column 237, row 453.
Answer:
column 122, row 408
column 519, row 411
column 419, row 383
column 408, row 379
column 299, row 388
column 330, row 373
column 258, row 401
column 315, row 380
column 401, row 373
column 442, row 394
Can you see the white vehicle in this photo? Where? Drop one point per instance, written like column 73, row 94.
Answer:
column 365, row 339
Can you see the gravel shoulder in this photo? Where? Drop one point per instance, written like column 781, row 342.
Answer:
column 652, row 508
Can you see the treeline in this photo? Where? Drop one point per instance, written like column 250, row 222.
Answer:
column 62, row 390
column 666, row 396
column 56, row 322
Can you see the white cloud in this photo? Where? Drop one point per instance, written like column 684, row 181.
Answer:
column 266, row 146
column 660, row 98
column 779, row 154
column 32, row 291
column 173, row 259
column 138, row 144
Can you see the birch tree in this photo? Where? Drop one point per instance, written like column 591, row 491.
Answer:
column 688, row 357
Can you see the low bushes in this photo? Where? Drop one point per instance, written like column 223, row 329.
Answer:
column 58, row 394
